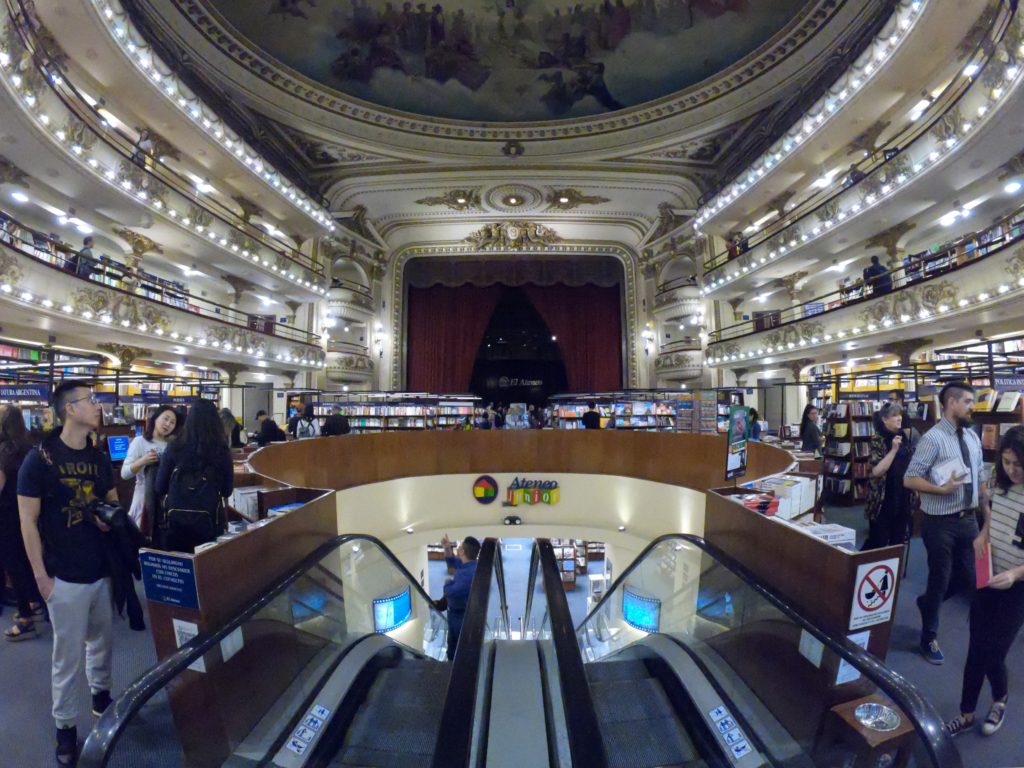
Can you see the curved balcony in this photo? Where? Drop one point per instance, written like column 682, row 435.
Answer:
column 678, row 362
column 347, row 300
column 117, row 27
column 884, row 159
column 48, row 278
column 678, row 298
column 349, row 363
column 987, row 107
column 88, row 139
column 899, row 43
column 969, row 276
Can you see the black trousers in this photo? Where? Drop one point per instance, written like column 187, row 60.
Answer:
column 997, row 616
column 891, row 525
column 949, row 541
column 14, row 561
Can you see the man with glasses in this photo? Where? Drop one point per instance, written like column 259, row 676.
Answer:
column 58, row 484
column 946, row 471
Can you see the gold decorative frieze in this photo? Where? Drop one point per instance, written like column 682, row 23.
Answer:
column 911, row 303
column 12, row 174
column 513, row 236
column 77, row 135
column 197, row 218
column 124, row 353
column 10, row 271
column 669, row 220
column 455, row 199
column 231, row 339
column 120, row 310
column 676, row 360
column 250, row 210
column 567, row 199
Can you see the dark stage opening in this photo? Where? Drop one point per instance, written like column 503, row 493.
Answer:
column 518, row 360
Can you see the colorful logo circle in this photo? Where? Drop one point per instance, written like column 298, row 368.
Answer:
column 485, row 489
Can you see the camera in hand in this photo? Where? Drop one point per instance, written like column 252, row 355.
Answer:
column 112, row 515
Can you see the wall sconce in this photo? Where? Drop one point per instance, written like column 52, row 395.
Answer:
column 379, row 344
column 648, row 337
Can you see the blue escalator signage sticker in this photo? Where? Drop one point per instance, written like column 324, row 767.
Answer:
column 313, row 723
column 735, row 736
column 718, row 713
column 302, row 732
column 297, row 746
column 725, row 724
column 318, row 711
column 742, row 749
column 169, row 579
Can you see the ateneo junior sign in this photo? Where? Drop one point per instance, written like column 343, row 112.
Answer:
column 520, row 491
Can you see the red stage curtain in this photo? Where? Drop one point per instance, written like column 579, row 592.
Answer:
column 588, row 323
column 444, row 332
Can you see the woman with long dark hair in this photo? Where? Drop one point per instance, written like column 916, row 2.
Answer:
column 810, row 432
column 232, row 429
column 997, row 611
column 200, row 454
column 14, row 446
column 144, row 451
column 889, row 505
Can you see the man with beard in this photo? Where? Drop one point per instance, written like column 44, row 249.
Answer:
column 946, row 471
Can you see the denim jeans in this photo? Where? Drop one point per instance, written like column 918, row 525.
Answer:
column 949, row 541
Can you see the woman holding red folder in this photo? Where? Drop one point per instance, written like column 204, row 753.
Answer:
column 997, row 612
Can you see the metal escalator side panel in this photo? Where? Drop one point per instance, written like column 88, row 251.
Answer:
column 299, row 747
column 585, row 745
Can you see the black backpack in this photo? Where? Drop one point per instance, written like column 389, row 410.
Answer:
column 193, row 510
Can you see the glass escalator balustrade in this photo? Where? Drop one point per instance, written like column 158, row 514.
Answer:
column 690, row 664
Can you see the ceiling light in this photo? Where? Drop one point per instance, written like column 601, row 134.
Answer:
column 1012, row 188
column 19, row 197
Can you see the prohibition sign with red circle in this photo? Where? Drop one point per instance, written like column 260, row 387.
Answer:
column 871, row 589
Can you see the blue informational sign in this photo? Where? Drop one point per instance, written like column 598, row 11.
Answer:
column 118, row 447
column 389, row 613
column 169, row 579
column 643, row 613
column 1009, row 382
column 25, row 392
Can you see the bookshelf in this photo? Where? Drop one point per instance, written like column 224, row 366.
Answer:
column 394, row 413
column 567, row 555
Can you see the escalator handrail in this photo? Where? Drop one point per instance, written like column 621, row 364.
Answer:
column 531, row 579
column 97, row 750
column 455, row 732
column 581, row 720
column 499, row 566
column 924, row 717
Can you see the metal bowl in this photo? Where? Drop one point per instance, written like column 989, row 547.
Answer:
column 877, row 717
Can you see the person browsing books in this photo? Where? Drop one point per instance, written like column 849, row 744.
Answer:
column 591, row 417
column 997, row 611
column 946, row 472
column 888, row 507
column 810, row 433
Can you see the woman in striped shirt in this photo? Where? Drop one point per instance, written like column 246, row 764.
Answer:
column 997, row 612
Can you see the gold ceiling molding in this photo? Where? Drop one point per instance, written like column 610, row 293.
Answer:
column 140, row 245
column 513, row 236
column 890, row 238
column 455, row 199
column 508, row 137
column 12, row 174
column 124, row 353
column 904, row 349
column 250, row 210
column 570, row 198
column 669, row 220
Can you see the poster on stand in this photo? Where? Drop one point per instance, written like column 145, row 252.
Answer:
column 737, row 436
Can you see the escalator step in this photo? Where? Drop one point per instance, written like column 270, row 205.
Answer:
column 605, row 671
column 372, row 758
column 415, row 687
column 624, row 700
column 655, row 743
column 393, row 726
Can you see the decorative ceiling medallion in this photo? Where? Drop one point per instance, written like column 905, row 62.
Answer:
column 569, row 198
column 455, row 199
column 513, row 236
column 513, row 198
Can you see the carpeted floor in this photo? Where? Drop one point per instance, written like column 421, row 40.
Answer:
column 26, row 729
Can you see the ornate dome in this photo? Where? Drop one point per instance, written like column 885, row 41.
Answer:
column 508, row 60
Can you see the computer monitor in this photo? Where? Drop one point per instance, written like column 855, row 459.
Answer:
column 389, row 613
column 118, row 447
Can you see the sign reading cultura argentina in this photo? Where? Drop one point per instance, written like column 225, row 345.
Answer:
column 523, row 491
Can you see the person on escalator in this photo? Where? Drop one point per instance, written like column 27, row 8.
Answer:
column 456, row 591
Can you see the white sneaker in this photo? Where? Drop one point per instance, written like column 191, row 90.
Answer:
column 995, row 718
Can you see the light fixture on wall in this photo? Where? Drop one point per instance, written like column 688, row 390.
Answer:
column 648, row 337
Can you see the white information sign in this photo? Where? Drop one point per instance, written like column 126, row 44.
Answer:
column 874, row 593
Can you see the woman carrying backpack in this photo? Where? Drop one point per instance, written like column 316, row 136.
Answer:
column 194, row 478
column 308, row 424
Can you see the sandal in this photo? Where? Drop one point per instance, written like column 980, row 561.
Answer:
column 23, row 629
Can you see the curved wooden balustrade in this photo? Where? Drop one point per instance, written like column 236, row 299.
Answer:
column 683, row 459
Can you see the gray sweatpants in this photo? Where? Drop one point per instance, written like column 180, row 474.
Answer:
column 82, row 615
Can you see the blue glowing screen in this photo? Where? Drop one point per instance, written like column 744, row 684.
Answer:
column 389, row 613
column 643, row 613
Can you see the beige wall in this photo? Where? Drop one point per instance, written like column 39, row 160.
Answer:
column 590, row 507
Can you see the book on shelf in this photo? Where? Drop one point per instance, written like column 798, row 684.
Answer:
column 862, row 450
column 863, row 429
column 840, row 429
column 837, row 448
column 989, row 436
column 986, row 398
column 1008, row 402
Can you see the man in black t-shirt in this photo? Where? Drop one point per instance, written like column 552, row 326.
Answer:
column 591, row 418
column 58, row 483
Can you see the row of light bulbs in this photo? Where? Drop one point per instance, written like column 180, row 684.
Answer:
column 120, row 26
column 888, row 322
column 855, row 78
column 108, row 319
column 143, row 196
column 711, row 283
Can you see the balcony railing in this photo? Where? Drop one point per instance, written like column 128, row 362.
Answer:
column 882, row 156
column 73, row 100
column 108, row 273
column 916, row 269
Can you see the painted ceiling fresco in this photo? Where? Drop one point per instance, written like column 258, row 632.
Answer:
column 508, row 60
